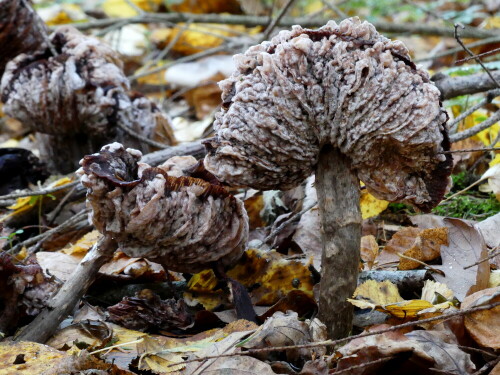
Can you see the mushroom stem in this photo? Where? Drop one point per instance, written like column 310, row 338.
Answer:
column 61, row 304
column 340, row 215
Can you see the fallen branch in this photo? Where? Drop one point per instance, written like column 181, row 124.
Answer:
column 452, row 87
column 251, row 352
column 251, row 21
column 45, row 324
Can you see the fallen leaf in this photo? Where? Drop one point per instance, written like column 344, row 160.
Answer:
column 466, row 246
column 371, row 206
column 379, row 293
column 484, row 325
column 369, row 251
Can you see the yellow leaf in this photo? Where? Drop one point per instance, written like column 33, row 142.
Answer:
column 380, row 293
column 371, row 206
column 81, row 246
column 406, row 309
column 120, row 8
column 203, row 281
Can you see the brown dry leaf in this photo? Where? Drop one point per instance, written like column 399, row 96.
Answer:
column 425, row 350
column 59, row 264
column 484, row 325
column 491, row 235
column 241, row 365
column 28, row 358
column 369, row 251
column 420, row 244
column 89, row 334
column 206, row 97
column 308, row 236
column 466, row 246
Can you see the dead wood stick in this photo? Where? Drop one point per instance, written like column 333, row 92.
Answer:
column 46, row 323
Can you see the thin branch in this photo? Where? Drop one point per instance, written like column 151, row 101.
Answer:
column 478, row 60
column 491, row 95
column 294, row 217
column 492, row 255
column 189, row 58
column 476, row 129
column 470, row 150
column 363, row 365
column 249, row 20
column 276, row 20
column 493, row 51
column 39, row 192
column 334, row 8
column 451, row 51
column 345, row 339
column 452, row 87
column 140, row 137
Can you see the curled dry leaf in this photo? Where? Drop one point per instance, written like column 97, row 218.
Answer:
column 466, row 247
column 28, row 358
column 415, row 352
column 484, row 326
column 369, row 251
column 24, row 291
column 416, row 243
column 285, row 329
column 87, row 334
column 146, row 311
column 185, row 223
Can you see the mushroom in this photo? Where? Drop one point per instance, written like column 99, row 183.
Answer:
column 348, row 104
column 19, row 30
column 78, row 99
column 185, row 223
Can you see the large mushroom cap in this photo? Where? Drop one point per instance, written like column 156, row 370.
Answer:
column 185, row 223
column 344, row 85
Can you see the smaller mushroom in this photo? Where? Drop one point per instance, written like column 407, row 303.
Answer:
column 184, row 223
column 78, row 100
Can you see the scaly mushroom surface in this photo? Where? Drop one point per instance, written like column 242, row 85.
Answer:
column 347, row 103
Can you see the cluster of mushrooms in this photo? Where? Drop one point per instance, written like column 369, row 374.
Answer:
column 341, row 101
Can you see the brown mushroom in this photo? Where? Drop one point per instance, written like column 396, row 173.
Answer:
column 19, row 30
column 185, row 223
column 78, row 99
column 348, row 104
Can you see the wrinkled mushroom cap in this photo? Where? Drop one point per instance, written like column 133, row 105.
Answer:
column 185, row 223
column 343, row 85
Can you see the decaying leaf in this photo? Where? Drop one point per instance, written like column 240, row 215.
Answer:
column 466, row 247
column 88, row 334
column 435, row 292
column 484, row 325
column 28, row 358
column 147, row 311
column 416, row 243
column 415, row 352
column 24, row 291
column 369, row 251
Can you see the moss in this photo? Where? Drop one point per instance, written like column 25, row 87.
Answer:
column 469, row 207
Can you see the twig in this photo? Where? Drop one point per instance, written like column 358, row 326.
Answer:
column 492, row 255
column 345, row 339
column 249, row 20
column 366, row 364
column 140, row 137
column 51, row 217
column 291, row 219
column 39, row 192
column 421, row 263
column 276, row 20
column 60, row 228
column 451, row 51
column 476, row 129
column 493, row 51
column 491, row 95
column 334, row 8
column 189, row 58
column 487, row 366
column 478, row 60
